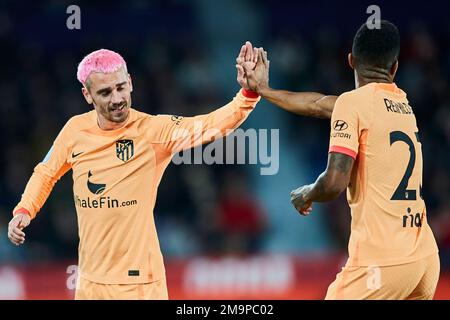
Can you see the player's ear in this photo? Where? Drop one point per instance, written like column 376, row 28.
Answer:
column 130, row 83
column 350, row 61
column 86, row 95
column 394, row 69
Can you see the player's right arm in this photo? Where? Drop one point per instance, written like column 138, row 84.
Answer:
column 38, row 188
column 310, row 104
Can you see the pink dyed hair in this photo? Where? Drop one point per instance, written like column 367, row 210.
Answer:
column 103, row 60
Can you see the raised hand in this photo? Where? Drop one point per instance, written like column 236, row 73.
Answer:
column 246, row 59
column 258, row 77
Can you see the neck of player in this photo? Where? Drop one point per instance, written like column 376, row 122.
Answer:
column 107, row 125
column 366, row 76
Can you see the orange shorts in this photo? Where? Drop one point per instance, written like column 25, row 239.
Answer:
column 88, row 290
column 411, row 281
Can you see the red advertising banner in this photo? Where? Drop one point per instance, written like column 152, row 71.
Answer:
column 264, row 277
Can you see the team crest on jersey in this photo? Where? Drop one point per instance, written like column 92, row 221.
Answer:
column 124, row 149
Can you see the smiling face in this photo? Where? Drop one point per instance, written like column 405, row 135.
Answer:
column 111, row 95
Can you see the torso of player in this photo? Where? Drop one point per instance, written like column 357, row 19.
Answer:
column 112, row 170
column 116, row 174
column 389, row 219
column 390, row 152
column 107, row 169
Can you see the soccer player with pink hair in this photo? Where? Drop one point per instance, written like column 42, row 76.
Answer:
column 118, row 156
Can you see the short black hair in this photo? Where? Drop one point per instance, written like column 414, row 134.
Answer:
column 378, row 48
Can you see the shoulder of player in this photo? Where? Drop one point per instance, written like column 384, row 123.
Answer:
column 155, row 125
column 164, row 118
column 88, row 119
column 138, row 115
column 357, row 97
column 141, row 118
column 83, row 118
column 162, row 127
column 347, row 97
column 80, row 121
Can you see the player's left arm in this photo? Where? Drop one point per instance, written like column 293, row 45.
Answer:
column 181, row 133
column 328, row 185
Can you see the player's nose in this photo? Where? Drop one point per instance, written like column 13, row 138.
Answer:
column 116, row 98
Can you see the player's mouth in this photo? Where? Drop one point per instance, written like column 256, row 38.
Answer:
column 118, row 110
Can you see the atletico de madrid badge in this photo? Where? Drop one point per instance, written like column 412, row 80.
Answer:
column 124, row 149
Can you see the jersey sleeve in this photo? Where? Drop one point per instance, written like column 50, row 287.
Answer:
column 346, row 125
column 180, row 133
column 45, row 175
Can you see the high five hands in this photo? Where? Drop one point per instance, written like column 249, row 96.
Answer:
column 252, row 68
